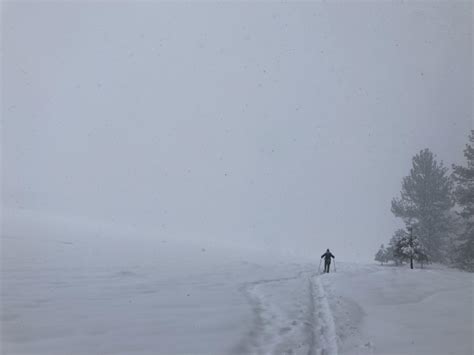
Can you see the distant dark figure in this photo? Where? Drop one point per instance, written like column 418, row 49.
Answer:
column 327, row 260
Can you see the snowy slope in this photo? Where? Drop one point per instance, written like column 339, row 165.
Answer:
column 63, row 293
column 70, row 287
column 391, row 310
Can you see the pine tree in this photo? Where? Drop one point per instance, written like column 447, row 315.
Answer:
column 408, row 247
column 464, row 195
column 393, row 252
column 425, row 201
column 389, row 254
column 381, row 255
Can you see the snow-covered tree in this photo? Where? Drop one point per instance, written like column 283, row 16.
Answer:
column 464, row 194
column 421, row 253
column 425, row 201
column 392, row 252
column 389, row 254
column 381, row 255
column 409, row 248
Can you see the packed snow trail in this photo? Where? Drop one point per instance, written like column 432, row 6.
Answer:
column 326, row 336
column 292, row 316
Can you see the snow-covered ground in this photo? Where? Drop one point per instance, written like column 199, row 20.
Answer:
column 390, row 310
column 63, row 294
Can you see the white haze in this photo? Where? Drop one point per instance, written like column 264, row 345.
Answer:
column 284, row 126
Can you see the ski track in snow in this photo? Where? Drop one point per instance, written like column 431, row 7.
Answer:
column 326, row 329
column 292, row 316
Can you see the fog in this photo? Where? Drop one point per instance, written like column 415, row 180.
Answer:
column 286, row 126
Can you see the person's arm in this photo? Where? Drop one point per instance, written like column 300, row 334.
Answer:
column 322, row 256
column 332, row 256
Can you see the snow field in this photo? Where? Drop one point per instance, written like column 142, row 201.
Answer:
column 64, row 293
column 394, row 310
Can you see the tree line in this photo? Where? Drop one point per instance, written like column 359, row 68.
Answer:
column 437, row 208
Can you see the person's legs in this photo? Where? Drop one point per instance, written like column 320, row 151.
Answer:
column 326, row 267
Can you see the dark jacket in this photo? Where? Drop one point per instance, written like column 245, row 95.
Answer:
column 327, row 256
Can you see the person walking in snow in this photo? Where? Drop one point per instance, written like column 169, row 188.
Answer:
column 327, row 260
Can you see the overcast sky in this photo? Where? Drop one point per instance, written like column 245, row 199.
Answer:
column 289, row 125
